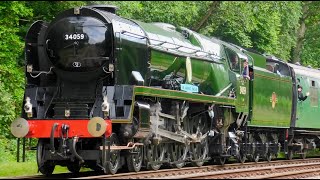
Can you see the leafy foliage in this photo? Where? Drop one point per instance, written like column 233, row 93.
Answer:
column 11, row 75
column 290, row 12
column 310, row 53
column 8, row 150
column 47, row 10
column 179, row 13
column 268, row 27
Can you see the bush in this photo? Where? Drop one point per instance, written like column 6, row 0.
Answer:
column 8, row 150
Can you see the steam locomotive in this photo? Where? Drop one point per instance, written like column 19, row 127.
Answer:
column 106, row 92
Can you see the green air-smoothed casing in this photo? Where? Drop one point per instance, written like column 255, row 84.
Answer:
column 308, row 111
column 131, row 52
column 163, row 50
column 209, row 74
column 211, row 77
column 163, row 54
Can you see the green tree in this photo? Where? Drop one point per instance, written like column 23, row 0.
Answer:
column 47, row 10
column 265, row 26
column 11, row 74
column 310, row 53
column 307, row 47
column 178, row 13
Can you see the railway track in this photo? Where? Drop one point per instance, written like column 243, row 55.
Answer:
column 268, row 172
column 297, row 168
column 258, row 170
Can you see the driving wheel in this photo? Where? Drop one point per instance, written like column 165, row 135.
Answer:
column 45, row 167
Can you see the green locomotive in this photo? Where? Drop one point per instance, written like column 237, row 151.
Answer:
column 173, row 95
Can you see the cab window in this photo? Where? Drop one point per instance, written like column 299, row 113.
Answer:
column 234, row 60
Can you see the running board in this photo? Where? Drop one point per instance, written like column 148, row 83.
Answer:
column 129, row 146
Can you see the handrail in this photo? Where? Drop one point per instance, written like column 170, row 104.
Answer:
column 174, row 48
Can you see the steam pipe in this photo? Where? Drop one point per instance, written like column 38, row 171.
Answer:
column 73, row 150
column 54, row 127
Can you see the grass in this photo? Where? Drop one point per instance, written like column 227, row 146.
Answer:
column 13, row 169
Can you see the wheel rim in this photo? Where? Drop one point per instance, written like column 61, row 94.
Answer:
column 199, row 152
column 290, row 155
column 269, row 157
column 135, row 160
column 198, row 125
column 46, row 168
column 114, row 163
column 74, row 167
column 221, row 160
column 155, row 153
column 256, row 157
column 179, row 154
column 304, row 151
column 304, row 154
column 241, row 158
column 114, row 158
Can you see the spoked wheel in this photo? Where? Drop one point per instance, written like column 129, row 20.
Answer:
column 178, row 152
column 289, row 156
column 198, row 126
column 114, row 164
column 268, row 157
column 134, row 160
column 155, row 154
column 241, row 157
column 199, row 152
column 74, row 167
column 252, row 150
column 304, row 154
column 255, row 157
column 45, row 167
column 221, row 160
